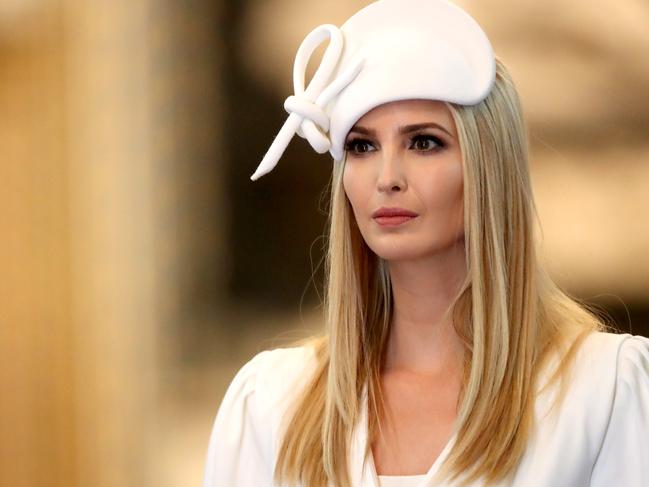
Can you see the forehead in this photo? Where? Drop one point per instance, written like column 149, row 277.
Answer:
column 402, row 112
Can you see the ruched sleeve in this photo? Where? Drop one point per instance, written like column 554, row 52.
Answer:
column 238, row 453
column 624, row 455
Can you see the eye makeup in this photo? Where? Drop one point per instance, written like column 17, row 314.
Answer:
column 353, row 142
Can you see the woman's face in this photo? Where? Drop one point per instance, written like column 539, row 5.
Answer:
column 405, row 154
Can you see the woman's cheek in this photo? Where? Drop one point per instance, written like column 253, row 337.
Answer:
column 354, row 189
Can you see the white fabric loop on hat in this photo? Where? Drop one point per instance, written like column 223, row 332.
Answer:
column 307, row 117
column 311, row 113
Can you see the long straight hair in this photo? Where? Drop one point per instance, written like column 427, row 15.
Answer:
column 511, row 317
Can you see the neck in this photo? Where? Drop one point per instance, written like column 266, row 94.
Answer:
column 422, row 338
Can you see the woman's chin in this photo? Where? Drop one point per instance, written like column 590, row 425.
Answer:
column 397, row 254
column 403, row 250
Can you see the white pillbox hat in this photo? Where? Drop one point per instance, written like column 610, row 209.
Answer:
column 390, row 50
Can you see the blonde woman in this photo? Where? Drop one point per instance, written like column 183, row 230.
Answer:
column 449, row 356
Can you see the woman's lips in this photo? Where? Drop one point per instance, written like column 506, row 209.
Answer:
column 392, row 221
column 393, row 216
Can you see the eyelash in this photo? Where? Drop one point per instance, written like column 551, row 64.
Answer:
column 349, row 146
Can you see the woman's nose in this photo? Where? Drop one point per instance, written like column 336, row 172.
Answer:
column 391, row 175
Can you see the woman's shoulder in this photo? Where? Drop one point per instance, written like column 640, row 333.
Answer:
column 275, row 377
column 604, row 364
column 282, row 370
column 620, row 354
column 613, row 367
column 601, row 419
column 615, row 341
column 604, row 360
column 271, row 374
column 244, row 434
column 624, row 446
column 595, row 364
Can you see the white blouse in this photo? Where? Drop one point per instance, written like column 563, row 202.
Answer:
column 599, row 436
column 400, row 480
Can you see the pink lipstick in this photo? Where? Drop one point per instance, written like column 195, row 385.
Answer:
column 393, row 216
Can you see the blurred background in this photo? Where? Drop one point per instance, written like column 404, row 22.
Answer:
column 141, row 268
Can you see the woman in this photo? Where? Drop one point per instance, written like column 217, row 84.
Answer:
column 449, row 356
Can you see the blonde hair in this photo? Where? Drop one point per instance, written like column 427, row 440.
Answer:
column 510, row 316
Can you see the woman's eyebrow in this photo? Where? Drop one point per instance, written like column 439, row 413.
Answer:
column 404, row 129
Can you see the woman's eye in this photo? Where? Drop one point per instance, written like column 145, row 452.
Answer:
column 421, row 143
column 358, row 146
column 428, row 142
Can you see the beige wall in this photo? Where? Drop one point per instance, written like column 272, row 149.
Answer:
column 37, row 390
column 112, row 225
column 103, row 154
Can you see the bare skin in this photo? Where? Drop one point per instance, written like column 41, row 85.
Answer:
column 420, row 422
column 420, row 171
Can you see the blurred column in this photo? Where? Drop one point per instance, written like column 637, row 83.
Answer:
column 112, row 239
column 146, row 216
column 37, row 444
